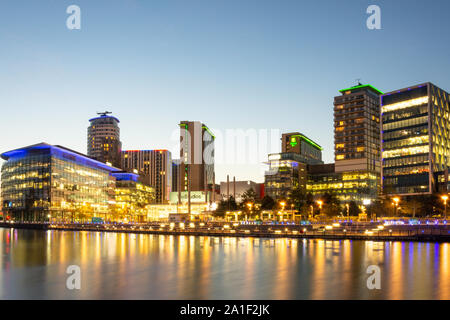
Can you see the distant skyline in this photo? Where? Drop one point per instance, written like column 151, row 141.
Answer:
column 230, row 64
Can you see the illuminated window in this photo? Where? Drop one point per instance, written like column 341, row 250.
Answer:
column 340, row 157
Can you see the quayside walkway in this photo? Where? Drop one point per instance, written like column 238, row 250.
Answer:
column 355, row 231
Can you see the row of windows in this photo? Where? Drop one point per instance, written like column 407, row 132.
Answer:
column 405, row 113
column 418, row 140
column 405, row 123
column 405, row 151
column 417, row 131
column 406, row 170
column 397, row 162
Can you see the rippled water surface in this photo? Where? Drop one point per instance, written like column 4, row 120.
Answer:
column 127, row 266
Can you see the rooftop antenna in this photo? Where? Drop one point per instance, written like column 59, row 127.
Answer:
column 359, row 81
column 104, row 114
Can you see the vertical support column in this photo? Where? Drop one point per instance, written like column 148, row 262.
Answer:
column 228, row 191
column 214, row 188
column 234, row 188
column 189, row 189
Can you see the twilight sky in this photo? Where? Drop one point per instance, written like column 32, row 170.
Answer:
column 234, row 64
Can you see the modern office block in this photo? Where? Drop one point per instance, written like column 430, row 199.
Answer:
column 44, row 182
column 415, row 140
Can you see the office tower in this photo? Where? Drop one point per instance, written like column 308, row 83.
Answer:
column 355, row 175
column 103, row 141
column 196, row 156
column 44, row 182
column 357, row 129
column 155, row 166
column 288, row 170
column 415, row 140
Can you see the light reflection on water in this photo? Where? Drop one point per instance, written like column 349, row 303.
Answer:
column 136, row 266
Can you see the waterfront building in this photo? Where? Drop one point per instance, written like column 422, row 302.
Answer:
column 415, row 140
column 155, row 166
column 358, row 186
column 43, row 182
column 288, row 170
column 103, row 140
column 357, row 129
column 132, row 197
column 355, row 175
column 196, row 168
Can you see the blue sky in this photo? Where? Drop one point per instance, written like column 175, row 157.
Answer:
column 232, row 64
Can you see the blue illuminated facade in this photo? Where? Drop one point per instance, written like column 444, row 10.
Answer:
column 52, row 183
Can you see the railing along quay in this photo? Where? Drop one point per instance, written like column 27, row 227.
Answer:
column 441, row 234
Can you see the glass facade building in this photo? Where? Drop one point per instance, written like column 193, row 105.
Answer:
column 51, row 183
column 346, row 186
column 415, row 139
column 132, row 198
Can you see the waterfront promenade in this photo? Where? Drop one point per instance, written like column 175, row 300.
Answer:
column 435, row 232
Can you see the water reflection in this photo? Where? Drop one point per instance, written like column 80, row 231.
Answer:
column 127, row 266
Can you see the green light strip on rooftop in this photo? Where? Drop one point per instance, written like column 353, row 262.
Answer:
column 209, row 131
column 362, row 86
column 308, row 141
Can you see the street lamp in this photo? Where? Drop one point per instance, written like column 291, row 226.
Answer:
column 366, row 203
column 348, row 211
column 396, row 201
column 249, row 205
column 282, row 204
column 445, row 198
column 320, row 203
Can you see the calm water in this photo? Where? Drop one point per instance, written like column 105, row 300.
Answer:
column 125, row 266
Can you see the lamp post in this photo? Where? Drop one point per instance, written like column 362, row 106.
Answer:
column 366, row 204
column 250, row 205
column 282, row 204
column 348, row 211
column 445, row 198
column 396, row 201
column 320, row 203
